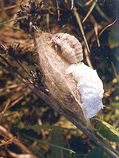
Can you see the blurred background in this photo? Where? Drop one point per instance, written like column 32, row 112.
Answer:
column 32, row 126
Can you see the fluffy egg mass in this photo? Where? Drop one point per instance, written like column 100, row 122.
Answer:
column 89, row 86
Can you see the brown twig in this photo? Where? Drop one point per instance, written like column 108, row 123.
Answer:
column 13, row 6
column 90, row 10
column 58, row 10
column 6, row 142
column 87, row 57
column 96, row 28
column 107, row 26
column 88, row 3
column 7, row 135
column 83, row 34
column 15, row 155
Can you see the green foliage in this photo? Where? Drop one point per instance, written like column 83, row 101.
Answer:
column 115, row 104
column 59, row 145
column 97, row 153
column 106, row 130
column 23, row 113
column 114, row 38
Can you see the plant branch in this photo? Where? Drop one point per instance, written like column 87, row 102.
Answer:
column 78, row 123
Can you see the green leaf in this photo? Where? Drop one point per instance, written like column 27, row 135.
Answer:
column 58, row 148
column 115, row 104
column 79, row 155
column 102, row 13
column 114, row 38
column 97, row 153
column 106, row 130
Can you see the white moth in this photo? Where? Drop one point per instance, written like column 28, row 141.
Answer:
column 71, row 48
column 89, row 86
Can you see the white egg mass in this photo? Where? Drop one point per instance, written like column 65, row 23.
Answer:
column 89, row 86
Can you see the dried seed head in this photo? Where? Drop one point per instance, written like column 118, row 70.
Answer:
column 71, row 48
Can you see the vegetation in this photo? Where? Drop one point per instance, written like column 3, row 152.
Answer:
column 28, row 126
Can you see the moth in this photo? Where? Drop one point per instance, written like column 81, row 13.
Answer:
column 88, row 83
column 71, row 48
